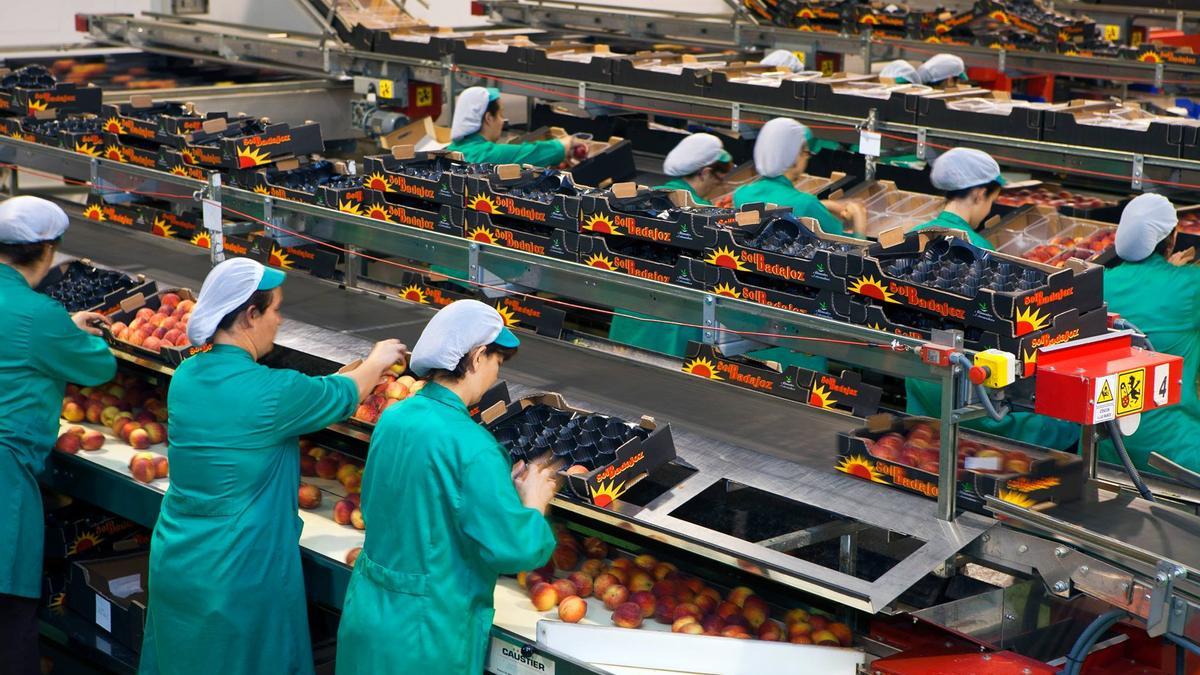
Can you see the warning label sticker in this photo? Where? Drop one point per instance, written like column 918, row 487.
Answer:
column 1104, row 407
column 1131, row 391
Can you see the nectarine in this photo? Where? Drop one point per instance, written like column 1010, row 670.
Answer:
column 342, row 511
column 327, row 467
column 543, row 597
column 616, row 595
column 794, row 616
column 352, row 555
column 92, row 440
column 662, row 569
column 309, row 496
column 603, row 582
column 592, row 567
column 308, row 465
column 738, row 595
column 824, row 637
column 770, row 631
column 594, row 547
column 665, row 612
column 627, row 615
column 683, row 621
column 582, row 582
column 572, row 609
column 162, row 467
column 139, row 439
column 73, row 412
column 142, row 466
column 156, row 431
column 564, row 587
column 356, row 519
column 843, row 633
column 565, row 557
column 645, row 600
column 646, row 562
column 640, row 580
column 68, row 443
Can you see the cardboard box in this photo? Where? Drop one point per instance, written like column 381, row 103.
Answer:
column 309, row 257
column 507, row 191
column 176, row 163
column 391, row 207
column 274, row 181
column 63, row 98
column 519, row 236
column 606, row 161
column 112, row 592
column 133, row 284
column 668, row 72
column 423, row 135
column 948, row 111
column 617, row 255
column 1051, row 476
column 28, row 129
column 632, row 461
column 846, row 392
column 573, row 60
column 530, row 313
column 101, row 211
column 162, row 223
column 1042, row 234
column 857, row 95
column 129, row 152
column 138, row 119
column 620, row 211
column 484, row 50
column 1067, row 126
column 424, row 290
column 79, row 531
column 825, row 267
column 756, row 84
column 170, row 356
column 173, row 130
column 277, row 142
column 771, row 292
column 437, row 177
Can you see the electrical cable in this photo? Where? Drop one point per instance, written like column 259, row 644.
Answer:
column 1114, row 433
column 981, row 393
column 1126, row 324
column 1088, row 638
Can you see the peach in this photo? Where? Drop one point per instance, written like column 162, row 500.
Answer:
column 646, row 562
column 572, row 609
column 352, row 555
column 738, row 595
column 728, row 609
column 691, row 629
column 69, row 443
column 712, row 624
column 799, row 628
column 565, row 557
column 344, row 472
column 593, row 547
column 825, row 638
column 818, row 622
column 640, row 580
column 756, row 611
column 603, row 582
column 645, row 600
column 843, row 633
column 622, row 564
column 73, row 412
column 396, row 391
column 534, row 578
column 582, row 582
column 664, row 588
column 770, row 631
column 564, row 587
column 142, row 467
column 309, row 496
column 356, row 519
column 152, row 343
column 92, row 412
column 342, row 510
column 353, row 483
column 795, row 616
column 308, row 466
column 354, row 498
column 169, row 299
column 144, row 417
column 122, row 417
column 185, row 305
column 156, row 431
column 665, row 613
column 621, row 574
column 735, row 632
column 683, row 621
column 92, row 440
column 577, row 469
column 162, row 468
column 139, row 439
column 627, row 615
column 592, row 567
column 694, row 584
column 145, row 314
column 108, row 414
column 616, row 595
column 76, row 429
column 366, row 413
column 687, row 609
column 327, row 467
column 800, row 639
column 662, row 569
column 543, row 597
column 706, row 603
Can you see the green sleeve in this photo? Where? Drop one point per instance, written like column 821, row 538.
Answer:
column 925, row 399
column 307, row 404
column 511, row 537
column 63, row 352
column 809, row 206
column 539, row 153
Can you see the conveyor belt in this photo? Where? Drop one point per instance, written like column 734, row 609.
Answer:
column 726, row 433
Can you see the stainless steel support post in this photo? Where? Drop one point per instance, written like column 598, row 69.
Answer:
column 211, row 208
column 710, row 319
column 869, row 160
column 948, row 462
column 922, row 133
column 735, row 117
column 848, row 553
column 1087, row 450
column 865, row 51
column 1139, row 164
column 352, row 264
column 474, row 269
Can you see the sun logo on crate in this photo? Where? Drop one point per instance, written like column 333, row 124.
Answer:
column 83, row 543
column 415, row 294
column 87, row 149
column 702, row 367
column 114, row 153
column 607, row 493
column 37, row 106
column 872, row 288
column 261, row 189
column 251, row 157
column 94, row 212
column 1150, row 57
column 202, row 240
column 599, row 260
column 178, row 171
column 188, row 156
column 860, row 467
column 377, row 212
column 279, row 258
column 820, row 397
column 484, row 204
column 482, row 234
column 726, row 290
column 510, row 319
column 601, row 224
column 350, row 207
column 725, row 257
column 161, row 228
column 113, row 126
column 998, row 15
column 1029, row 360
column 1029, row 320
column 377, row 181
column 1015, row 498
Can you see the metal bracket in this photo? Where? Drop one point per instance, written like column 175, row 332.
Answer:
column 352, row 264
column 710, row 319
column 474, row 269
column 1001, row 59
column 582, row 95
column 1163, row 608
column 735, row 117
column 210, row 199
column 1158, row 75
column 1179, row 20
column 93, row 174
column 869, row 161
column 921, row 134
column 1139, row 165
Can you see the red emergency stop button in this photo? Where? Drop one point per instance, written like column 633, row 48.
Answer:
column 978, row 374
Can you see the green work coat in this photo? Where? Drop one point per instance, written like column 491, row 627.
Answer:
column 779, row 190
column 41, row 351
column 681, row 184
column 443, row 521
column 476, row 148
column 955, row 222
column 226, row 590
column 1163, row 301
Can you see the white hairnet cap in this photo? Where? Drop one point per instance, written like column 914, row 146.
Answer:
column 785, row 58
column 226, row 287
column 901, row 71
column 963, row 168
column 1146, row 220
column 779, row 143
column 694, row 153
column 469, row 110
column 454, row 331
column 28, row 220
column 941, row 67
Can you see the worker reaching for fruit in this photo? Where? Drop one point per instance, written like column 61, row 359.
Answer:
column 1155, row 289
column 780, row 156
column 971, row 181
column 43, row 349
column 478, row 123
column 226, row 593
column 698, row 164
column 447, row 513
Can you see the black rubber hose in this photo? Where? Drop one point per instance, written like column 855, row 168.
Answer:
column 989, row 406
column 1114, row 432
column 1126, row 324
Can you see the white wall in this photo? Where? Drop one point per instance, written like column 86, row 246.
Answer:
column 52, row 22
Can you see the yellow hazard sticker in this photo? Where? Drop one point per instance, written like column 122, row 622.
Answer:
column 424, row 96
column 1131, row 391
column 1106, row 394
column 387, row 89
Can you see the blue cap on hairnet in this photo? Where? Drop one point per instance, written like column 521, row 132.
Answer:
column 1146, row 220
column 963, row 168
column 694, row 153
column 901, row 72
column 779, row 143
column 454, row 331
column 941, row 67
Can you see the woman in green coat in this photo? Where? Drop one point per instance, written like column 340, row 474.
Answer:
column 226, row 594
column 43, row 349
column 971, row 180
column 445, row 512
column 1156, row 289
column 478, row 123
column 698, row 164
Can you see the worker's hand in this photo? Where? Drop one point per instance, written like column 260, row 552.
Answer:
column 385, row 353
column 855, row 216
column 518, row 469
column 87, row 321
column 538, row 484
column 574, row 148
column 1181, row 258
